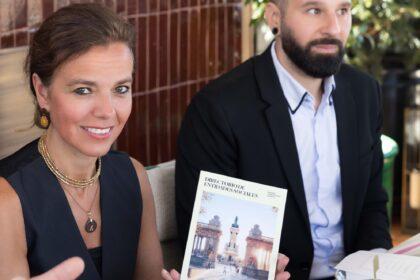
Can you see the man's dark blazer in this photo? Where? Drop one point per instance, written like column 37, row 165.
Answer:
column 239, row 125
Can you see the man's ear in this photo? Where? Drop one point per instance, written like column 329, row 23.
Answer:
column 41, row 92
column 272, row 16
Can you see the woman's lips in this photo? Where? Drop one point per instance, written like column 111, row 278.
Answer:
column 98, row 133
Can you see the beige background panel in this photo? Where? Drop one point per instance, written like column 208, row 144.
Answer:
column 16, row 103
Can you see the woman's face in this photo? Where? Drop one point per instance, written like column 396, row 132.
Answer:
column 89, row 98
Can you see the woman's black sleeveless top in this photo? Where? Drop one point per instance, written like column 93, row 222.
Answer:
column 52, row 234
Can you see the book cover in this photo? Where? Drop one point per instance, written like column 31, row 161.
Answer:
column 235, row 229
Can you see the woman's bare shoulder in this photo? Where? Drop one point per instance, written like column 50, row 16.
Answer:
column 145, row 188
column 138, row 166
column 9, row 199
column 141, row 172
column 13, row 249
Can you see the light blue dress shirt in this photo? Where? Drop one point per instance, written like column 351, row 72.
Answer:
column 316, row 142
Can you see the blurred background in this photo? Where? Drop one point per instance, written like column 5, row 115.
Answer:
column 183, row 44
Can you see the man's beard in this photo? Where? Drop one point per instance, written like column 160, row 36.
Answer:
column 314, row 65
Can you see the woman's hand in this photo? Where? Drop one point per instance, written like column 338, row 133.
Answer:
column 70, row 269
column 282, row 262
column 173, row 275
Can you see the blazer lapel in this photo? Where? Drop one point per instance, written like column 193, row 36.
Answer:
column 280, row 124
column 346, row 115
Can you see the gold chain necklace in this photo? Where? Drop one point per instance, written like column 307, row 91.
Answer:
column 80, row 184
column 90, row 224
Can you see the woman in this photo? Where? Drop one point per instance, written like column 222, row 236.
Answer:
column 76, row 197
column 80, row 66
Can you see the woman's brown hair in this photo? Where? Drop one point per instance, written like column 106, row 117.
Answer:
column 69, row 32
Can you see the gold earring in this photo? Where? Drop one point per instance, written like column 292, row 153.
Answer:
column 44, row 119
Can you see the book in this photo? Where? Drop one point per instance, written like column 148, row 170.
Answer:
column 400, row 262
column 235, row 229
column 364, row 265
column 410, row 247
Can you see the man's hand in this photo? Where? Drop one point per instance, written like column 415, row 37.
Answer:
column 282, row 262
column 70, row 269
column 173, row 275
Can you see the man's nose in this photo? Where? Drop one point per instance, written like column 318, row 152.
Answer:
column 332, row 25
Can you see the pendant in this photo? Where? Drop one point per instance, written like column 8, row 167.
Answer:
column 90, row 225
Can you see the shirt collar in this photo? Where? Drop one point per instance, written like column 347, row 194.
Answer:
column 294, row 92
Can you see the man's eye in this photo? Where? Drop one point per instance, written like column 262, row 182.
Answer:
column 314, row 11
column 122, row 89
column 82, row 91
column 343, row 11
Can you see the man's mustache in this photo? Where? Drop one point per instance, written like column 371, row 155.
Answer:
column 325, row 41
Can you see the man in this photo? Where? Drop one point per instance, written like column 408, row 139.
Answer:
column 296, row 118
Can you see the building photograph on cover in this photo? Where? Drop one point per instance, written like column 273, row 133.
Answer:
column 233, row 239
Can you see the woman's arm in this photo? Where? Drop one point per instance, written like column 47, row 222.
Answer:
column 13, row 249
column 149, row 255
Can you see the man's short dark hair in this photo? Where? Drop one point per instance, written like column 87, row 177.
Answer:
column 282, row 4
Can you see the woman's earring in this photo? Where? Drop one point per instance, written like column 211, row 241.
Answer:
column 275, row 30
column 44, row 119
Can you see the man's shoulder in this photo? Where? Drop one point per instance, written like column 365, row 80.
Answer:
column 238, row 81
column 354, row 76
column 362, row 87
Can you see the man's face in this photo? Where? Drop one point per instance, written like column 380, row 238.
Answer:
column 313, row 34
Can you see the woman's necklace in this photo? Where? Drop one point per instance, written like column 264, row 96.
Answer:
column 90, row 224
column 80, row 184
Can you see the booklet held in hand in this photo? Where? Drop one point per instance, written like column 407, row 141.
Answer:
column 235, row 229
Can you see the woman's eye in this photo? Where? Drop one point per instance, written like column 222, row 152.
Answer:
column 314, row 11
column 122, row 89
column 82, row 91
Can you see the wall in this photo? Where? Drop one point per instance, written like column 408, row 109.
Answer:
column 16, row 110
column 181, row 45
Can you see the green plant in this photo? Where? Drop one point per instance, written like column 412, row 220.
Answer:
column 380, row 28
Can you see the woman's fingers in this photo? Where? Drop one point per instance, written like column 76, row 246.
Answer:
column 282, row 262
column 70, row 269
column 283, row 276
column 173, row 275
column 165, row 275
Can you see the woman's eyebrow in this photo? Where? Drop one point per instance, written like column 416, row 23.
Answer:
column 81, row 81
column 126, row 80
column 91, row 83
